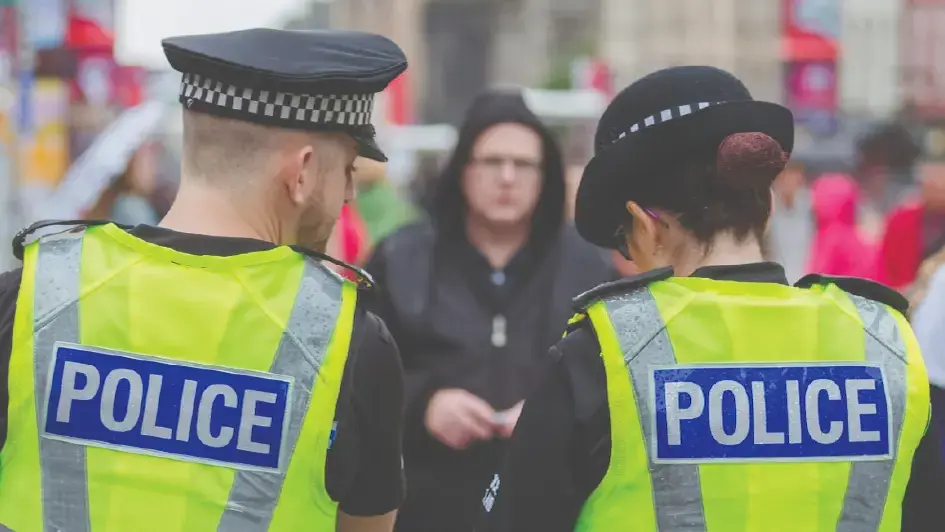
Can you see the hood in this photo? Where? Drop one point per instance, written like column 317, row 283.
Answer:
column 835, row 199
column 448, row 204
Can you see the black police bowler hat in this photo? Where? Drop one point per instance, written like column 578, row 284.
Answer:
column 649, row 128
column 312, row 80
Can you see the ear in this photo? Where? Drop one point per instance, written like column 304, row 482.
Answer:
column 643, row 224
column 301, row 172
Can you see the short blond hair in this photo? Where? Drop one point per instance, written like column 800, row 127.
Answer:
column 217, row 148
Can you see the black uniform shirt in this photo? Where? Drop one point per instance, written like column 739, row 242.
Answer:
column 561, row 446
column 363, row 469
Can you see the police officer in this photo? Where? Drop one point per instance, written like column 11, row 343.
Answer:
column 708, row 394
column 200, row 375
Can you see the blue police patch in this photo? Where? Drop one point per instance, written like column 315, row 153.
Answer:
column 169, row 408
column 791, row 412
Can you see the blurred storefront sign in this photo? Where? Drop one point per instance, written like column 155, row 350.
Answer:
column 811, row 92
column 810, row 29
column 88, row 33
column 923, row 57
column 9, row 221
column 45, row 147
column 24, row 104
column 810, row 52
column 45, row 22
column 100, row 12
column 99, row 91
column 128, row 85
column 590, row 73
column 398, row 100
column 8, row 81
column 8, row 33
column 93, row 78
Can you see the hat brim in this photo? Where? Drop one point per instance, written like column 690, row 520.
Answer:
column 367, row 147
column 618, row 172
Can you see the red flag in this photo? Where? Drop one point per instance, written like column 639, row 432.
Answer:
column 399, row 109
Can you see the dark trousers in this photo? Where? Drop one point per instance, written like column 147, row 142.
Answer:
column 938, row 413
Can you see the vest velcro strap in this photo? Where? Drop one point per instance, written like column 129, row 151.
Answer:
column 582, row 302
column 860, row 287
column 19, row 240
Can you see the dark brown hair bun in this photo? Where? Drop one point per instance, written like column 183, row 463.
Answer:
column 749, row 160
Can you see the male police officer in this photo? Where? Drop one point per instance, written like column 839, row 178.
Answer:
column 160, row 379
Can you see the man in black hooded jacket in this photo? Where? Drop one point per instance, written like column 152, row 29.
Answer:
column 474, row 298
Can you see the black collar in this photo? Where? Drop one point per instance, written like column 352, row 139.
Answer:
column 755, row 272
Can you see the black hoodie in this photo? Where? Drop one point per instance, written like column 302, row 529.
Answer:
column 441, row 302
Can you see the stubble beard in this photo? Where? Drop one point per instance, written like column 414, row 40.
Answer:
column 315, row 235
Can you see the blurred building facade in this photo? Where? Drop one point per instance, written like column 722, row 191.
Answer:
column 458, row 47
column 639, row 36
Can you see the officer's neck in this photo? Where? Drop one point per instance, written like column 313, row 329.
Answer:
column 207, row 211
column 726, row 250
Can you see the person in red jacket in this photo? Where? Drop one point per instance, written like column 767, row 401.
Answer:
column 914, row 231
column 838, row 247
column 349, row 240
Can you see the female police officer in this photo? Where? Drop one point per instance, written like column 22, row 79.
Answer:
column 725, row 399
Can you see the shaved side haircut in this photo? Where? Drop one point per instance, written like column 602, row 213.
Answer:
column 217, row 148
column 225, row 151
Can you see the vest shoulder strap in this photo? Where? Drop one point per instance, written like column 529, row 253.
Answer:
column 364, row 281
column 20, row 239
column 581, row 303
column 860, row 287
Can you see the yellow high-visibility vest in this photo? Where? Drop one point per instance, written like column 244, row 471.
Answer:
column 156, row 390
column 755, row 407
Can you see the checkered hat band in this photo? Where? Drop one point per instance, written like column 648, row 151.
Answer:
column 347, row 109
column 664, row 116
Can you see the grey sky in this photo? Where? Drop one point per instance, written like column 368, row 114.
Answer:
column 141, row 24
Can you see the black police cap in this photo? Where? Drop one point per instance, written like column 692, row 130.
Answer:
column 311, row 80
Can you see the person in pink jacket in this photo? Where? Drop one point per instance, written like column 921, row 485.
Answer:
column 839, row 248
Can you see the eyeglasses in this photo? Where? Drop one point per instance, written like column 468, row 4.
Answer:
column 493, row 165
column 620, row 235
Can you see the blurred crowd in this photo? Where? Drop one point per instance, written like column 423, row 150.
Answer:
column 881, row 221
column 884, row 220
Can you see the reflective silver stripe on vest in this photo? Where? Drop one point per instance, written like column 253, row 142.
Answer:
column 56, row 318
column 677, row 494
column 868, row 486
column 300, row 354
column 302, row 350
column 676, row 491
